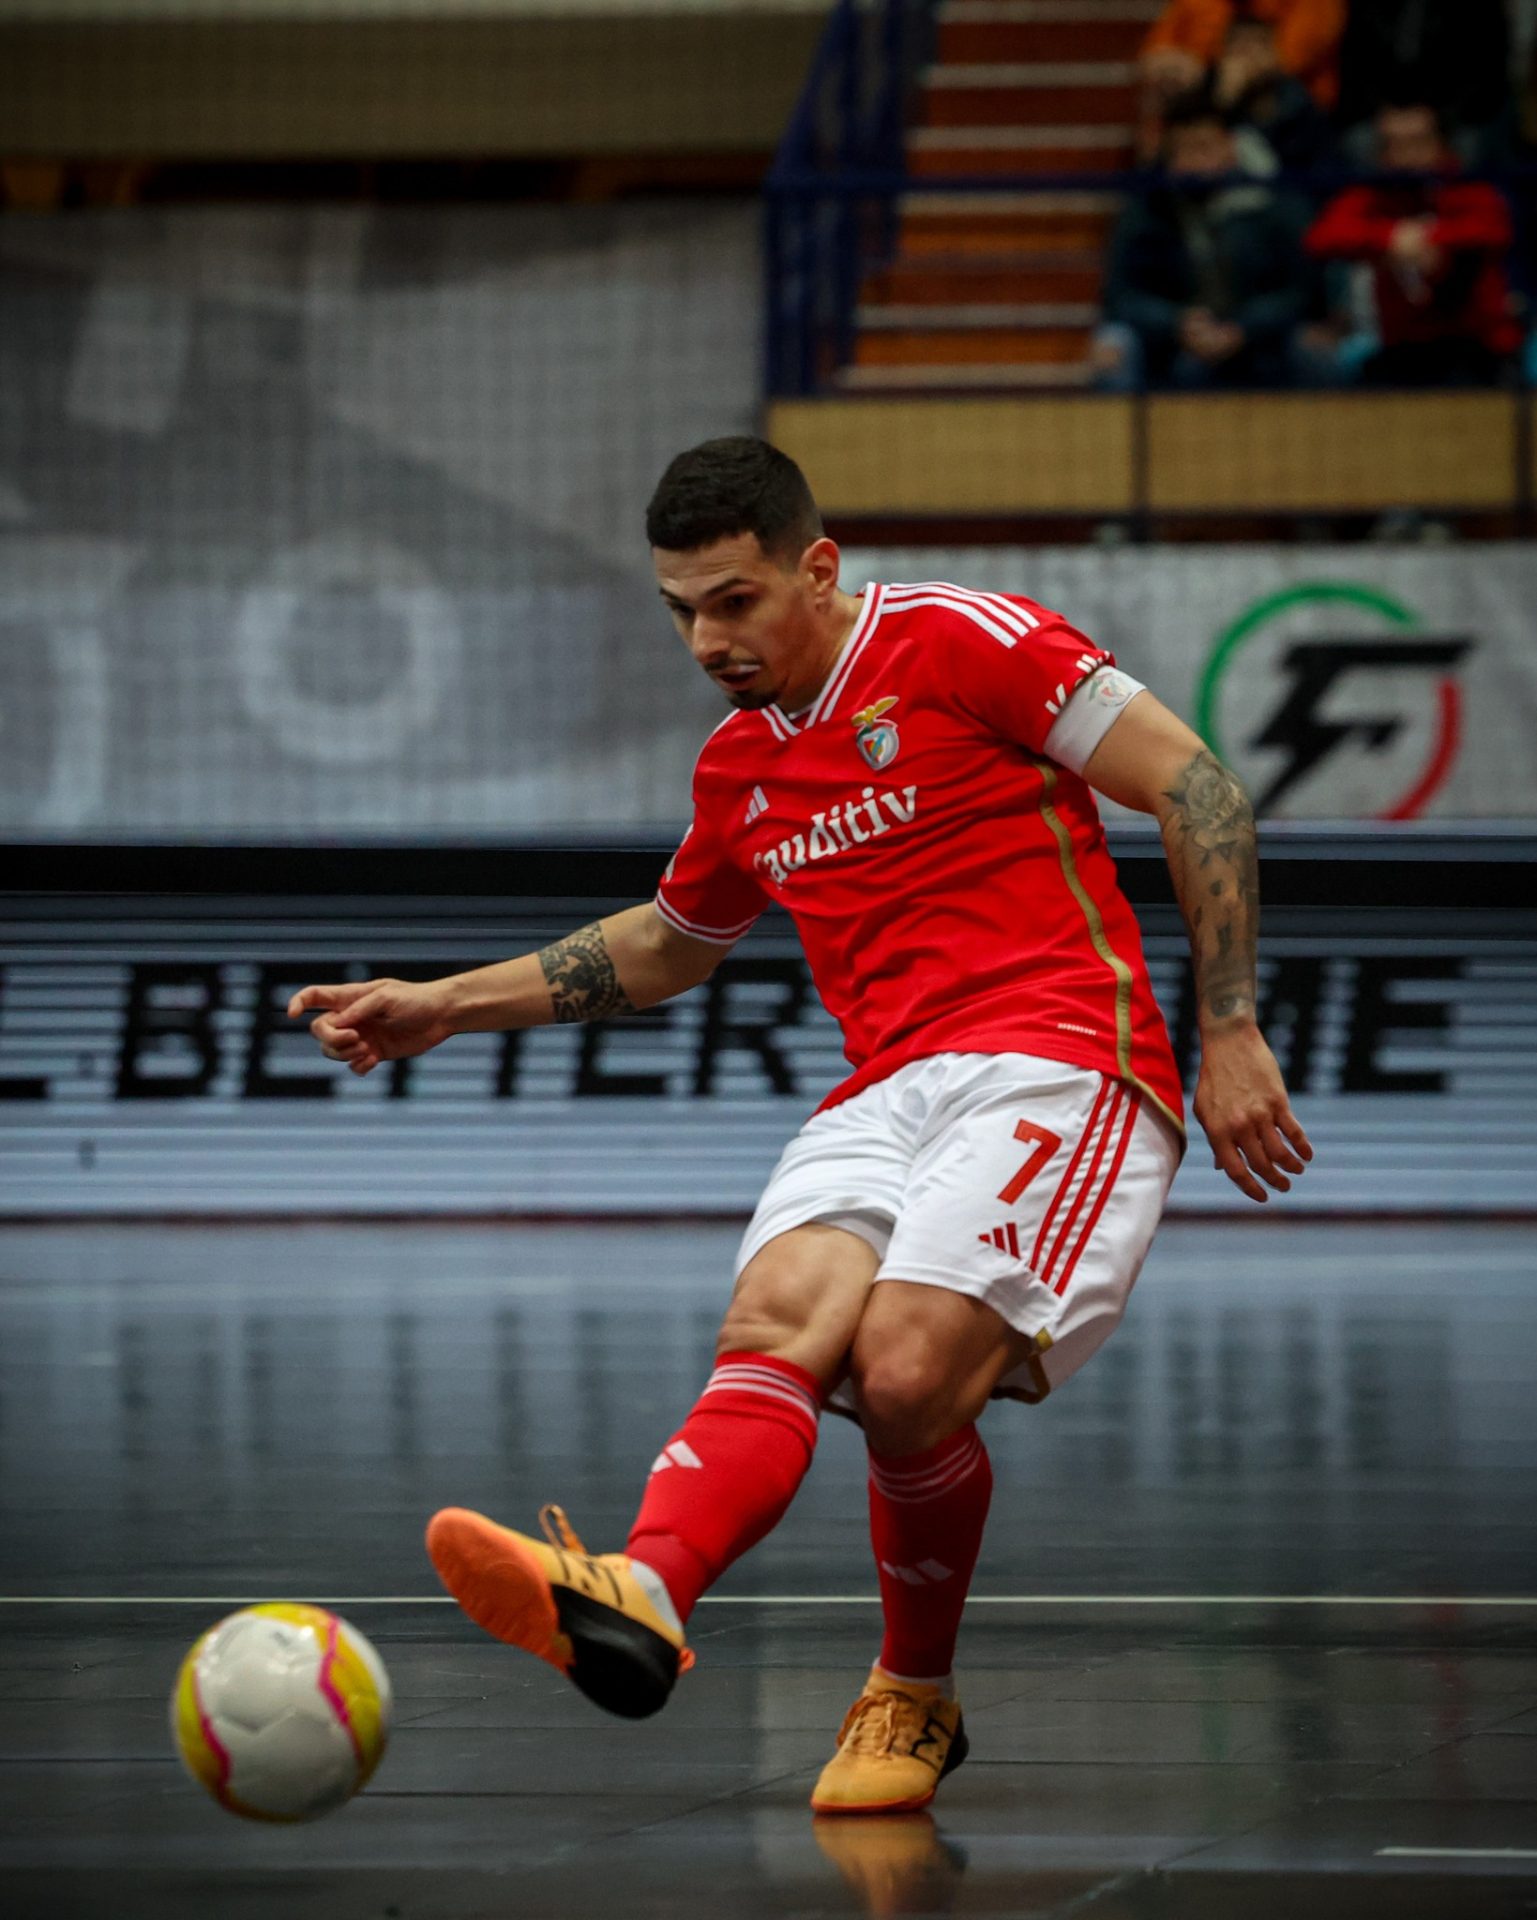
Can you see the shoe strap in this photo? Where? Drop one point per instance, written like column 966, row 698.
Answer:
column 558, row 1530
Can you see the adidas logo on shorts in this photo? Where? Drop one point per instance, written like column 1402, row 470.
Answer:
column 1005, row 1239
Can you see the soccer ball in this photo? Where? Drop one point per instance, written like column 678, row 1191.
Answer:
column 281, row 1712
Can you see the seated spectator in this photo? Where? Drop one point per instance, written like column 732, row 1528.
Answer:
column 1436, row 246
column 1277, row 121
column 1207, row 281
column 1454, row 58
column 1187, row 40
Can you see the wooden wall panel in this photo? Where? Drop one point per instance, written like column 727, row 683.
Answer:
column 435, row 85
column 1292, row 452
column 1058, row 454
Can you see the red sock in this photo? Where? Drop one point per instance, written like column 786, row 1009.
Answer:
column 727, row 1475
column 927, row 1512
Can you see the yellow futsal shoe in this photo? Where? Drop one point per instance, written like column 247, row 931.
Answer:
column 586, row 1614
column 896, row 1744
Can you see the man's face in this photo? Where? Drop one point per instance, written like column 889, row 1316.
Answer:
column 1201, row 151
column 748, row 618
column 1408, row 140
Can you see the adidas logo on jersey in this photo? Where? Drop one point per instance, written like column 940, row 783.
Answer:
column 677, row 1453
column 758, row 804
column 849, row 824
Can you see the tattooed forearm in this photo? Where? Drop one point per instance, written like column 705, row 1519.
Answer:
column 1208, row 834
column 582, row 981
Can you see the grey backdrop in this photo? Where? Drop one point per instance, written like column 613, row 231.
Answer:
column 324, row 519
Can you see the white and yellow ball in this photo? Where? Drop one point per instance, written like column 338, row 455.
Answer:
column 281, row 1712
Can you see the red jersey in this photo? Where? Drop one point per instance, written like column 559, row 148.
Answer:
column 1466, row 296
column 950, row 884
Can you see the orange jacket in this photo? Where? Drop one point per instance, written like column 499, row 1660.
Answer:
column 1307, row 35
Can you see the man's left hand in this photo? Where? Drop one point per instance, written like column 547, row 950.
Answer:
column 1241, row 1101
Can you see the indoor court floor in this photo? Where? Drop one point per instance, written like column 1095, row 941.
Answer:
column 1255, row 1632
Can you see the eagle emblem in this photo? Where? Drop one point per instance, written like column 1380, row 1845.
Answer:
column 876, row 736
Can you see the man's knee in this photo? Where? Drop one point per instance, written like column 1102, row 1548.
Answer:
column 907, row 1402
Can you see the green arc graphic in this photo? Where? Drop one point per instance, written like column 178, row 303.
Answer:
column 1248, row 623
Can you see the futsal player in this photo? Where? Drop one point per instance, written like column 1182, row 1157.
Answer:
column 910, row 773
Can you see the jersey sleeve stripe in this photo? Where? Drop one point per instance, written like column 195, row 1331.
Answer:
column 719, row 936
column 1019, row 618
column 971, row 610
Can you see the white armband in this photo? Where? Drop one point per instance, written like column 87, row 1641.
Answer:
column 1092, row 709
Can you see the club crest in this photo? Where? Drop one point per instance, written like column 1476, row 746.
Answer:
column 877, row 737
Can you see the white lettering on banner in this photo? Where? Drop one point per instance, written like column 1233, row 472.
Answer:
column 836, row 829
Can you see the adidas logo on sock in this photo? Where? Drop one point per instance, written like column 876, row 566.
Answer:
column 1005, row 1239
column 677, row 1453
column 758, row 804
column 926, row 1573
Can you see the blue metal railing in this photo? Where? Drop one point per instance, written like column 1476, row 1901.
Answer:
column 830, row 204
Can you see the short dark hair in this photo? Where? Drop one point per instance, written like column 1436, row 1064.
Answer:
column 1197, row 107
column 735, row 485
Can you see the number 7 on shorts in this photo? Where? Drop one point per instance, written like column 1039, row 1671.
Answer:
column 1046, row 1144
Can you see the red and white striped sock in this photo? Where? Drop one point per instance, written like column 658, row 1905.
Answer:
column 927, row 1512
column 727, row 1475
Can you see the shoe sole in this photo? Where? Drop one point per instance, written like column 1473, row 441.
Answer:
column 621, row 1665
column 498, row 1583
column 960, row 1746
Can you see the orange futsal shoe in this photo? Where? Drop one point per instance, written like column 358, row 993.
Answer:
column 896, row 1744
column 586, row 1614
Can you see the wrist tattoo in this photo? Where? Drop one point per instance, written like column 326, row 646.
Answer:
column 1210, row 827
column 582, row 981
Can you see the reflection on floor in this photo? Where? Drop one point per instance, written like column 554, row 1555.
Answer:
column 1186, row 1694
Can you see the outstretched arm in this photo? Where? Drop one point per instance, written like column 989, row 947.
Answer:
column 618, row 964
column 1150, row 760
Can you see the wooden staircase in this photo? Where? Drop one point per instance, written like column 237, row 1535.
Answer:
column 1002, row 289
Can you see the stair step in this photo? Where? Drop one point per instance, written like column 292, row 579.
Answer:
column 995, row 225
column 945, row 152
column 1007, row 75
column 963, row 346
column 994, row 38
column 1078, row 203
column 976, row 315
column 1147, row 11
column 941, row 279
column 1052, row 93
column 1045, row 374
column 1062, row 134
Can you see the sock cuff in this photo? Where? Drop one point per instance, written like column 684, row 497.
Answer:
column 774, row 1383
column 770, row 1362
column 909, row 1477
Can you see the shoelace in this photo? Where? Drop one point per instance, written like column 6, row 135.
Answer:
column 871, row 1726
column 560, row 1533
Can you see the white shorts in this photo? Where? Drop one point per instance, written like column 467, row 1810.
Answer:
column 1029, row 1184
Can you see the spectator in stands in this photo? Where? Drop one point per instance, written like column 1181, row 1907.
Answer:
column 1436, row 245
column 1277, row 121
column 1187, row 40
column 1454, row 57
column 1207, row 281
